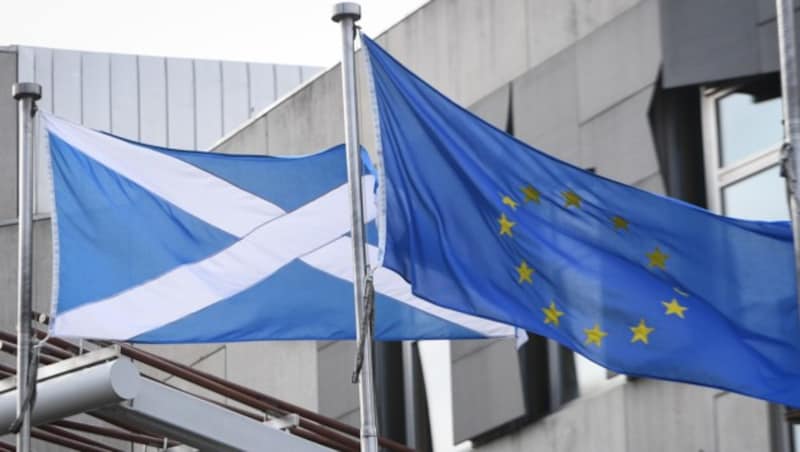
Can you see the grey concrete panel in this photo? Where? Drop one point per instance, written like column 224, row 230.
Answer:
column 545, row 107
column 429, row 28
column 768, row 44
column 552, row 27
column 491, row 37
column 286, row 370
column 766, row 10
column 43, row 75
column 42, row 271
column 653, row 183
column 592, row 423
column 180, row 104
column 618, row 143
column 188, row 354
column 26, row 61
column 619, row 59
column 251, row 140
column 125, row 96
column 337, row 396
column 487, row 390
column 153, row 100
column 592, row 14
column 494, row 107
column 534, row 437
column 235, row 95
column 8, row 139
column 8, row 277
column 462, row 348
column 262, row 86
column 96, row 90
column 67, row 85
column 685, row 419
column 742, row 423
column 351, row 418
column 463, row 48
column 208, row 102
column 213, row 364
column 308, row 121
column 286, row 79
column 708, row 40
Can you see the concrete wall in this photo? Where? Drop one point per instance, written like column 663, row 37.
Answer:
column 647, row 415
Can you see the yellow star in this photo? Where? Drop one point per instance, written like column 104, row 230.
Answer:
column 619, row 223
column 531, row 194
column 525, row 273
column 673, row 307
column 571, row 199
column 640, row 332
column 594, row 335
column 510, row 202
column 506, row 225
column 552, row 314
column 657, row 259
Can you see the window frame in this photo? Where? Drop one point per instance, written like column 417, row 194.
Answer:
column 719, row 177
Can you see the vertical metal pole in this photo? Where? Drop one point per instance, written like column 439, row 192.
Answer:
column 26, row 95
column 409, row 393
column 791, row 114
column 347, row 14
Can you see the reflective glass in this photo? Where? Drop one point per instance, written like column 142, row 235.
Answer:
column 747, row 124
column 761, row 196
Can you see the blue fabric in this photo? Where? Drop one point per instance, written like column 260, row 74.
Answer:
column 114, row 235
column 641, row 284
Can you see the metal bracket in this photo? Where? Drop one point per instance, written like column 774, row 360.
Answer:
column 67, row 366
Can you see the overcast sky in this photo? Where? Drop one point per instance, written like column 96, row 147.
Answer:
column 288, row 31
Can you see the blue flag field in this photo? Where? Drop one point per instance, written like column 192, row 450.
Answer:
column 162, row 246
column 481, row 223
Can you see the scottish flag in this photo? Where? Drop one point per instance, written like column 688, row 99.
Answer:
column 642, row 284
column 161, row 246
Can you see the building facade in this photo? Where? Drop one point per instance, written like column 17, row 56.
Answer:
column 676, row 97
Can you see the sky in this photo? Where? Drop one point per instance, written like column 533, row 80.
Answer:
column 289, row 31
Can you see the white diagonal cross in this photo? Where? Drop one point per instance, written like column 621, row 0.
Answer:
column 269, row 239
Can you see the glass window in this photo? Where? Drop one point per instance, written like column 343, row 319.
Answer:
column 749, row 121
column 761, row 196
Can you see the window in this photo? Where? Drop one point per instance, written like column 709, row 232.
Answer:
column 742, row 134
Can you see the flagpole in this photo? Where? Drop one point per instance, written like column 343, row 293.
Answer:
column 26, row 95
column 791, row 113
column 347, row 14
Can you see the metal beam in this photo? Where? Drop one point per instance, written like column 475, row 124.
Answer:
column 177, row 415
column 74, row 392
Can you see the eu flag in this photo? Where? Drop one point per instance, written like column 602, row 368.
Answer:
column 645, row 285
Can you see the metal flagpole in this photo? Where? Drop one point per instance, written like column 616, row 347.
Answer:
column 347, row 14
column 791, row 116
column 26, row 95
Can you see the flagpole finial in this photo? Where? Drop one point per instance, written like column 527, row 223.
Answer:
column 26, row 89
column 346, row 9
